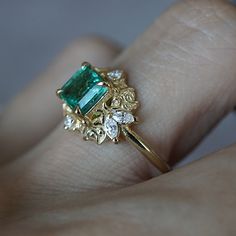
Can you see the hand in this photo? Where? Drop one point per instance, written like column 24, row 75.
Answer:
column 183, row 69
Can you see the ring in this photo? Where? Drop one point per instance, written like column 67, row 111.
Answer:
column 98, row 103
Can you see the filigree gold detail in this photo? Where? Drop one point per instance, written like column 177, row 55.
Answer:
column 125, row 99
column 121, row 100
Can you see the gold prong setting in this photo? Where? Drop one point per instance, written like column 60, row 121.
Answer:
column 58, row 92
column 85, row 63
column 105, row 120
column 107, row 116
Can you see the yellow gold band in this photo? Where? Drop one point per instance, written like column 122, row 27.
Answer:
column 99, row 104
column 148, row 152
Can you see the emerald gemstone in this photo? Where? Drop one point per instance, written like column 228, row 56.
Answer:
column 82, row 90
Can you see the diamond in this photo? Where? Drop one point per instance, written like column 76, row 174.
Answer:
column 68, row 122
column 111, row 128
column 115, row 74
column 123, row 117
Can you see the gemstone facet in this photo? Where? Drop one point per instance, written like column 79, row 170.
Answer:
column 115, row 74
column 111, row 127
column 83, row 90
column 68, row 122
column 123, row 117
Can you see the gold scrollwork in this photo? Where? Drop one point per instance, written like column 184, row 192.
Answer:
column 92, row 126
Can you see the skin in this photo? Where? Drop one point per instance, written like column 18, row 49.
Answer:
column 183, row 69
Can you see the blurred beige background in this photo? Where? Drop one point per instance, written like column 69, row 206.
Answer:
column 33, row 32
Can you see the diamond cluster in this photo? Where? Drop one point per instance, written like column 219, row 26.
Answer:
column 111, row 124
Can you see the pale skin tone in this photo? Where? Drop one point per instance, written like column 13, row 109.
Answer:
column 183, row 69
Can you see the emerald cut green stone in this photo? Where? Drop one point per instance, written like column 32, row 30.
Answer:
column 82, row 90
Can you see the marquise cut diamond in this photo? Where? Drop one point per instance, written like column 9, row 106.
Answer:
column 111, row 128
column 123, row 117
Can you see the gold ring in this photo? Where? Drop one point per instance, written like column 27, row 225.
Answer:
column 98, row 103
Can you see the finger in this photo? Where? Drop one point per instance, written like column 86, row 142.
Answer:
column 184, row 88
column 34, row 112
column 184, row 85
column 192, row 199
